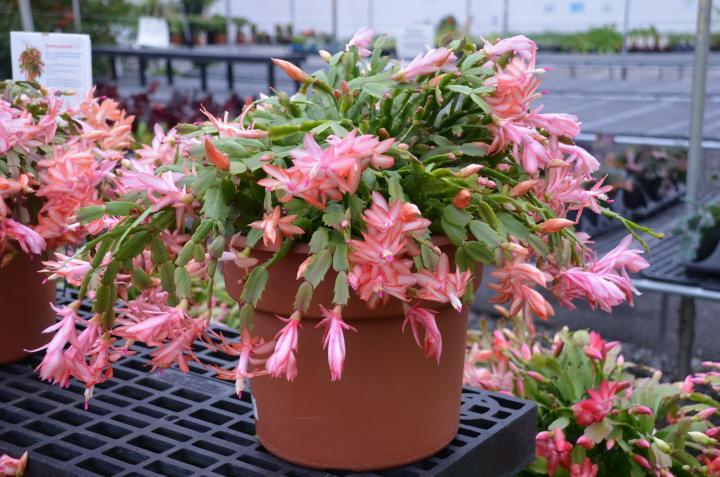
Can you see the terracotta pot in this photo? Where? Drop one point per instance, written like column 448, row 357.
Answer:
column 392, row 406
column 26, row 312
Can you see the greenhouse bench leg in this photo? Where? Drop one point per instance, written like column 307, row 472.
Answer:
column 664, row 298
column 686, row 335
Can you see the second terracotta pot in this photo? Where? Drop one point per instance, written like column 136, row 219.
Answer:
column 25, row 304
column 392, row 406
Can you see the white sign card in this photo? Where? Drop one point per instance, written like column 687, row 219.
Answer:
column 414, row 39
column 61, row 61
column 153, row 32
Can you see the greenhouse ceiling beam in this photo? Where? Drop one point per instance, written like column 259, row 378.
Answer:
column 76, row 15
column 26, row 15
column 697, row 108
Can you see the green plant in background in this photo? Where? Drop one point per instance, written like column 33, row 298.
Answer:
column 596, row 418
column 699, row 231
column 598, row 40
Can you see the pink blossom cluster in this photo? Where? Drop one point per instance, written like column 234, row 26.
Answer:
column 318, row 175
column 58, row 167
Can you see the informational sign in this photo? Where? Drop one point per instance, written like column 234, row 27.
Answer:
column 153, row 32
column 60, row 61
column 414, row 39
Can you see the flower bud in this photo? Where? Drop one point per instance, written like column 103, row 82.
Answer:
column 523, row 187
column 701, row 438
column 291, row 70
column 641, row 410
column 217, row 158
column 467, row 171
column 536, row 376
column 325, row 55
column 705, row 414
column 584, row 441
column 662, row 445
column 554, row 225
column 642, row 443
column 642, row 461
column 217, row 246
column 462, row 199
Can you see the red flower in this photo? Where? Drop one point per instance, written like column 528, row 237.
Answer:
column 599, row 404
column 597, row 348
column 552, row 446
column 586, row 469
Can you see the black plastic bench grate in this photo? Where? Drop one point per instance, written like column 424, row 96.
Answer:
column 176, row 424
column 667, row 263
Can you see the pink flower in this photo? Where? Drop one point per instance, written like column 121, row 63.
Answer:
column 275, row 227
column 603, row 290
column 179, row 347
column 424, row 319
column 622, row 258
column 228, row 129
column 377, row 248
column 554, row 448
column 151, row 325
column 293, row 183
column 557, row 124
column 239, row 259
column 605, row 282
column 515, row 282
column 439, row 59
column 11, row 467
column 366, row 148
column 71, row 269
column 361, row 40
column 586, row 469
column 283, row 361
column 515, row 86
column 54, row 365
column 382, row 216
column 248, row 351
column 334, row 340
column 162, row 149
column 519, row 45
column 377, row 282
column 597, row 348
column 599, row 404
column 585, row 163
column 328, row 167
column 30, row 241
column 443, row 286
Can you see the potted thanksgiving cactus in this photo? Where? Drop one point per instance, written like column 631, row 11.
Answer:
column 353, row 218
column 53, row 160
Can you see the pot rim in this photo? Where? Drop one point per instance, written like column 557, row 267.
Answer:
column 239, row 241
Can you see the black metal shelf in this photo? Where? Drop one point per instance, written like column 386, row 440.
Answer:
column 175, row 424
